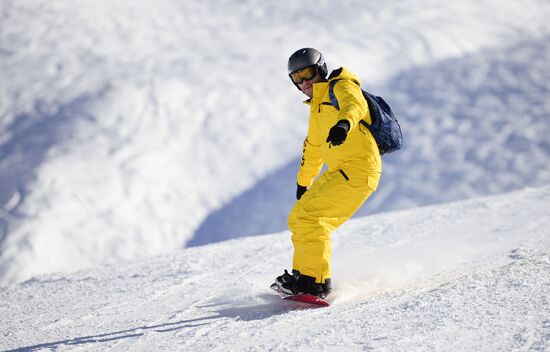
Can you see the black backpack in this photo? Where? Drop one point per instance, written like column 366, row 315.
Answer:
column 385, row 128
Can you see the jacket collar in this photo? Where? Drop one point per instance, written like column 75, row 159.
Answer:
column 319, row 90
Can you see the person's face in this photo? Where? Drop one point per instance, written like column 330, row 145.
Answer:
column 307, row 85
column 305, row 79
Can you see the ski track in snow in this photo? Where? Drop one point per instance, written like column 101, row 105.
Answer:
column 130, row 129
column 468, row 276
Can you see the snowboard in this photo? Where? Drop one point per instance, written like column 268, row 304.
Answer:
column 307, row 299
column 302, row 298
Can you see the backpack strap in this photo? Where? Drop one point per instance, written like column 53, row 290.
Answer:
column 334, row 101
column 332, row 96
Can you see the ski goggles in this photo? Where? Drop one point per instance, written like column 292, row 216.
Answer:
column 303, row 74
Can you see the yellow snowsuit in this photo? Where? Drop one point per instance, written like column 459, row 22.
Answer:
column 353, row 172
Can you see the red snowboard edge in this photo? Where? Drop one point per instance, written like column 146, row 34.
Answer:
column 308, row 299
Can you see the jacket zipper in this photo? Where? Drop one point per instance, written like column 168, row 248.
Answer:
column 344, row 174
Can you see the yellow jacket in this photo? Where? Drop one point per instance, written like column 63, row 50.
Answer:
column 359, row 145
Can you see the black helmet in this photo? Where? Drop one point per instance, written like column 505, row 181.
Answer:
column 307, row 57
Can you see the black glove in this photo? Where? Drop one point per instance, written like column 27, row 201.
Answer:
column 300, row 191
column 338, row 133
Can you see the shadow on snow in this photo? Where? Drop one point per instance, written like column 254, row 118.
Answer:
column 29, row 139
column 473, row 126
column 274, row 306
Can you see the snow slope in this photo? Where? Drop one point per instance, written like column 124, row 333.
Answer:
column 469, row 276
column 133, row 128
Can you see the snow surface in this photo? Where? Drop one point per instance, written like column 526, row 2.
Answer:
column 466, row 276
column 134, row 128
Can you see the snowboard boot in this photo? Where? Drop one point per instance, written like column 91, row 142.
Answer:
column 285, row 284
column 306, row 284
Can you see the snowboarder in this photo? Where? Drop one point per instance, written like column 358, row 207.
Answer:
column 338, row 139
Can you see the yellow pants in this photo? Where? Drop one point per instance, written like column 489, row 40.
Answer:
column 327, row 204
